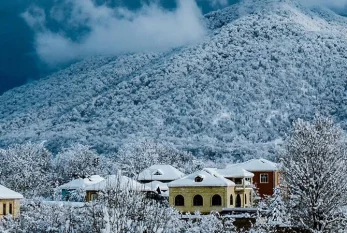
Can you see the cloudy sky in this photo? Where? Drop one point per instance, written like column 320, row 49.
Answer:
column 40, row 36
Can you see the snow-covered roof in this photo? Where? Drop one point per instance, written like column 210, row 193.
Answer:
column 120, row 181
column 155, row 184
column 160, row 172
column 204, row 178
column 256, row 165
column 82, row 183
column 235, row 172
column 6, row 193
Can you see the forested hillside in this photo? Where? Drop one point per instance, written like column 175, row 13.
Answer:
column 235, row 94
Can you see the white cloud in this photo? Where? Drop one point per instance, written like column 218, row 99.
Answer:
column 115, row 31
column 215, row 3
column 35, row 17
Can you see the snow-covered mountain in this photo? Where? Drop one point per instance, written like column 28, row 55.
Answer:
column 264, row 64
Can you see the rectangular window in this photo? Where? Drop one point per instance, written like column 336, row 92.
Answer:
column 238, row 181
column 10, row 210
column 264, row 178
column 4, row 209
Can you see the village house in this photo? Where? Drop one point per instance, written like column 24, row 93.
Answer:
column 207, row 191
column 117, row 183
column 266, row 174
column 161, row 173
column 71, row 188
column 91, row 186
column 9, row 202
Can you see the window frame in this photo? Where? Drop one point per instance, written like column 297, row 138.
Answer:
column 267, row 178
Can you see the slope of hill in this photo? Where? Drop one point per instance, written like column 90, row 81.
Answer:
column 264, row 64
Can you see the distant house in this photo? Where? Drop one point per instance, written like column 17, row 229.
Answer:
column 69, row 188
column 116, row 182
column 207, row 191
column 162, row 173
column 90, row 187
column 9, row 202
column 266, row 174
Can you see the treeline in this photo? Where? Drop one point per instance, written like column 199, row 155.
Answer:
column 34, row 171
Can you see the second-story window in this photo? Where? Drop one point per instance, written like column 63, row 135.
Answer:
column 264, row 178
column 238, row 181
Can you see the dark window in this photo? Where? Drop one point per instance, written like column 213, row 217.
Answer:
column 238, row 201
column 231, row 200
column 179, row 200
column 4, row 209
column 158, row 173
column 238, row 181
column 10, row 210
column 264, row 178
column 245, row 198
column 198, row 201
column 199, row 179
column 216, row 200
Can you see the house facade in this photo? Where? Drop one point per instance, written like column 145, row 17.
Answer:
column 9, row 202
column 207, row 191
column 266, row 174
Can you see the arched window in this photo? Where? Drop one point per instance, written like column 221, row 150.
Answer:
column 179, row 200
column 245, row 198
column 216, row 200
column 238, row 201
column 231, row 200
column 198, row 200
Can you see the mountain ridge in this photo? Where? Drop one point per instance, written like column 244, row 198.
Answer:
column 234, row 94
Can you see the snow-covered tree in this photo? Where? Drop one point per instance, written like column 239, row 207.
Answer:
column 80, row 161
column 41, row 217
column 272, row 213
column 26, row 168
column 315, row 172
column 137, row 156
column 277, row 210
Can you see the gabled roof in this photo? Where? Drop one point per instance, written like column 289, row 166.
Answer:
column 6, row 193
column 254, row 165
column 160, row 172
column 118, row 181
column 207, row 178
column 82, row 183
column 235, row 172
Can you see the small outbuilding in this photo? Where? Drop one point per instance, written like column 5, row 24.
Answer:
column 115, row 182
column 69, row 189
column 9, row 202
